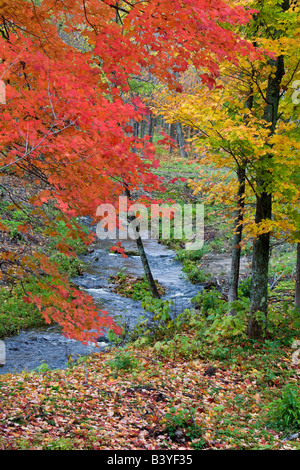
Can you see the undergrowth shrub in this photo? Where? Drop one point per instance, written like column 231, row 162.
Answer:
column 193, row 272
column 208, row 301
column 70, row 265
column 182, row 419
column 244, row 288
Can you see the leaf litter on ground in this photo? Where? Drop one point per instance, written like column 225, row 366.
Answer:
column 92, row 405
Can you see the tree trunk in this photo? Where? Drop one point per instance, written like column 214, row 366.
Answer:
column 143, row 129
column 172, row 135
column 297, row 283
column 147, row 269
column 238, row 223
column 237, row 238
column 181, row 140
column 151, row 127
column 143, row 257
column 136, row 128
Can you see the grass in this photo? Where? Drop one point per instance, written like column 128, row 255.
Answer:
column 134, row 288
column 160, row 395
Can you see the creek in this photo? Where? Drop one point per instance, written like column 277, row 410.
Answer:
column 31, row 348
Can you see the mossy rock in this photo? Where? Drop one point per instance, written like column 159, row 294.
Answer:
column 135, row 288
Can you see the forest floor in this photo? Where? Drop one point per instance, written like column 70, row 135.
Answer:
column 193, row 383
column 132, row 398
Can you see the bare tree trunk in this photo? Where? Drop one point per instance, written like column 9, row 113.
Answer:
column 143, row 128
column 238, row 223
column 147, row 269
column 136, row 128
column 151, row 127
column 297, row 283
column 181, row 140
column 143, row 256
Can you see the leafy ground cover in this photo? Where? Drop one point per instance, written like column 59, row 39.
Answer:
column 139, row 398
column 136, row 288
column 193, row 382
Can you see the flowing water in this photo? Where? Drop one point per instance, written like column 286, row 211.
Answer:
column 31, row 348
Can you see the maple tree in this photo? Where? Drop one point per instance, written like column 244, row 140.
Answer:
column 247, row 125
column 66, row 67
